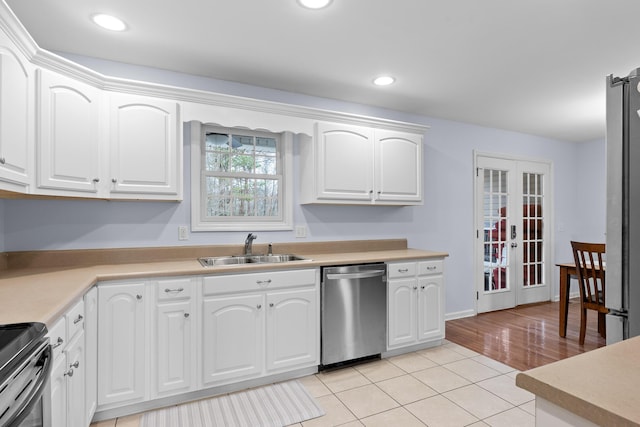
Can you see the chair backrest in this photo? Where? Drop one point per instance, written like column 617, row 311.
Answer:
column 590, row 266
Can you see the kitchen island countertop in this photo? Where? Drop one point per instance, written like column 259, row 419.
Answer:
column 43, row 294
column 600, row 385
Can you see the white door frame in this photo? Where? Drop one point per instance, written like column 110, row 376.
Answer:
column 549, row 222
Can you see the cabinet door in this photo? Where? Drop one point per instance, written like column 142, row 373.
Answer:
column 402, row 312
column 292, row 329
column 398, row 166
column 15, row 115
column 91, row 352
column 56, row 407
column 233, row 330
column 69, row 137
column 76, row 415
column 121, row 343
column 344, row 160
column 146, row 147
column 173, row 347
column 430, row 308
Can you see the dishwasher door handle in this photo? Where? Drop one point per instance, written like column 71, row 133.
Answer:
column 360, row 275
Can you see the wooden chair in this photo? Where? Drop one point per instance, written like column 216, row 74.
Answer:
column 591, row 277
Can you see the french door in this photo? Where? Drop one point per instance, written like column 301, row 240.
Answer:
column 513, row 224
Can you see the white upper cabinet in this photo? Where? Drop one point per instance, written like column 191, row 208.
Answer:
column 398, row 166
column 146, row 148
column 16, row 117
column 352, row 164
column 69, row 137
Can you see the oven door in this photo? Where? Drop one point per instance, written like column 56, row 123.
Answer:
column 21, row 397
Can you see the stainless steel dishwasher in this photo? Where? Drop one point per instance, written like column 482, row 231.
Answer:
column 354, row 312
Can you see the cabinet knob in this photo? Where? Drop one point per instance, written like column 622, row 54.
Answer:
column 415, row 288
column 75, row 364
column 68, row 373
column 186, row 315
column 422, row 287
column 114, row 180
column 58, row 343
column 270, row 304
column 259, row 306
column 139, row 296
column 2, row 161
column 78, row 319
column 96, row 180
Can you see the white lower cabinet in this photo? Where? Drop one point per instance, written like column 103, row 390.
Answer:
column 292, row 323
column 173, row 341
column 171, row 336
column 122, row 357
column 233, row 334
column 238, row 309
column 66, row 406
column 416, row 303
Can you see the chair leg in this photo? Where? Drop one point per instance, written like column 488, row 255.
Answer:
column 583, row 324
column 602, row 325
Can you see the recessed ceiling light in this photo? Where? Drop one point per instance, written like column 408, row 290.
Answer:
column 314, row 4
column 383, row 81
column 109, row 22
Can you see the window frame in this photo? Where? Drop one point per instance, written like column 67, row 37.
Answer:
column 199, row 222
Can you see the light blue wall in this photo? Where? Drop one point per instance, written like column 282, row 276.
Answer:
column 444, row 223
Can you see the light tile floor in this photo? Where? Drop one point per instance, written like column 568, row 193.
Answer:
column 442, row 386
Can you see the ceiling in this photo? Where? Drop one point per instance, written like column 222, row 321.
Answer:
column 532, row 66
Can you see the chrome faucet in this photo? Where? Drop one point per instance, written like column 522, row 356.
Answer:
column 248, row 243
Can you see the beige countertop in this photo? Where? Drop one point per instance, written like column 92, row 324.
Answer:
column 600, row 385
column 43, row 294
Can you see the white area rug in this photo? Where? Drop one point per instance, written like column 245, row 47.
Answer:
column 275, row 405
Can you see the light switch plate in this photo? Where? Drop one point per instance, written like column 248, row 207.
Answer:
column 183, row 232
column 301, row 231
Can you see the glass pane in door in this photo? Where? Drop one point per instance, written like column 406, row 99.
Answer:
column 532, row 226
column 495, row 214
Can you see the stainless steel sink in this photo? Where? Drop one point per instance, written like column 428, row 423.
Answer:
column 249, row 259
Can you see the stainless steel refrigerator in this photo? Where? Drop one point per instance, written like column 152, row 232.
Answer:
column 622, row 295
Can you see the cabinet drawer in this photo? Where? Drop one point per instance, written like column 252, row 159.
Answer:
column 258, row 281
column 430, row 267
column 174, row 289
column 58, row 337
column 401, row 269
column 75, row 320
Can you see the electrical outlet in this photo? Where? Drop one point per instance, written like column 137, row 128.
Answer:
column 183, row 232
column 301, row 231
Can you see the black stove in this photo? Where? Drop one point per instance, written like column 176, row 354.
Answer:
column 25, row 363
column 17, row 341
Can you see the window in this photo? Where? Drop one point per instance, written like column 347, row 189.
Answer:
column 240, row 179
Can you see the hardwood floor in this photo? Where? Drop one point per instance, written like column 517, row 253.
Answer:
column 525, row 337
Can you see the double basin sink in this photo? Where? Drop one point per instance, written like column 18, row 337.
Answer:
column 249, row 259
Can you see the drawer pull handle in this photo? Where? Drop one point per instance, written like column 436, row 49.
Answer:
column 78, row 319
column 263, row 282
column 403, row 270
column 69, row 373
column 75, row 364
column 431, row 267
column 58, row 343
column 167, row 290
